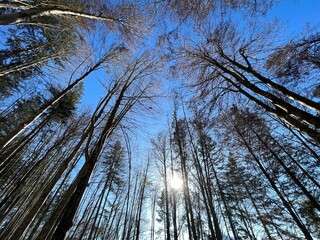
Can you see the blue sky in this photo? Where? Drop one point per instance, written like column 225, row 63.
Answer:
column 294, row 14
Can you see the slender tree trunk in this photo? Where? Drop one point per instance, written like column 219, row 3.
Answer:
column 227, row 209
column 112, row 215
column 312, row 179
column 303, row 141
column 142, row 198
column 174, row 194
column 286, row 92
column 22, row 180
column 289, row 173
column 29, row 121
column 72, row 205
column 126, row 203
column 27, row 15
column 168, row 237
column 46, row 208
column 246, row 220
column 174, row 208
column 205, row 187
column 286, row 204
column 132, row 210
column 8, row 155
column 293, row 115
column 117, row 227
column 186, row 190
column 23, row 66
column 263, row 222
column 88, row 214
column 280, row 113
column 106, row 186
column 153, row 210
column 47, row 189
column 74, row 201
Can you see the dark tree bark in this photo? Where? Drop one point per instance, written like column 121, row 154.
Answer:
column 186, row 189
column 285, row 203
column 29, row 121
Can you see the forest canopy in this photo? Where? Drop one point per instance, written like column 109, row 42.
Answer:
column 172, row 119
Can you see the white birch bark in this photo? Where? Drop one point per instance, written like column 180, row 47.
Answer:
column 29, row 14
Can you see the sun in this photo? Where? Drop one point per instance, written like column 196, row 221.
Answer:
column 176, row 182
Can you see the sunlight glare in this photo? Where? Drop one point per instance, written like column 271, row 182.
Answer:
column 176, row 183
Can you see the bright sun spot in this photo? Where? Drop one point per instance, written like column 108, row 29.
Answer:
column 176, row 182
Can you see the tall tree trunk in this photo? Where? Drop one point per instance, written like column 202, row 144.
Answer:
column 263, row 222
column 27, row 219
column 280, row 113
column 141, row 199
column 289, row 172
column 205, row 187
column 226, row 207
column 25, row 176
column 25, row 16
column 153, row 211
column 298, row 118
column 29, row 121
column 91, row 160
column 312, row 179
column 8, row 155
column 280, row 88
column 286, row 204
column 174, row 207
column 25, row 65
column 71, row 207
column 168, row 237
column 186, row 190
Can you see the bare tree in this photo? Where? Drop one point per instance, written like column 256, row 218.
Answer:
column 225, row 62
column 55, row 99
column 139, row 70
